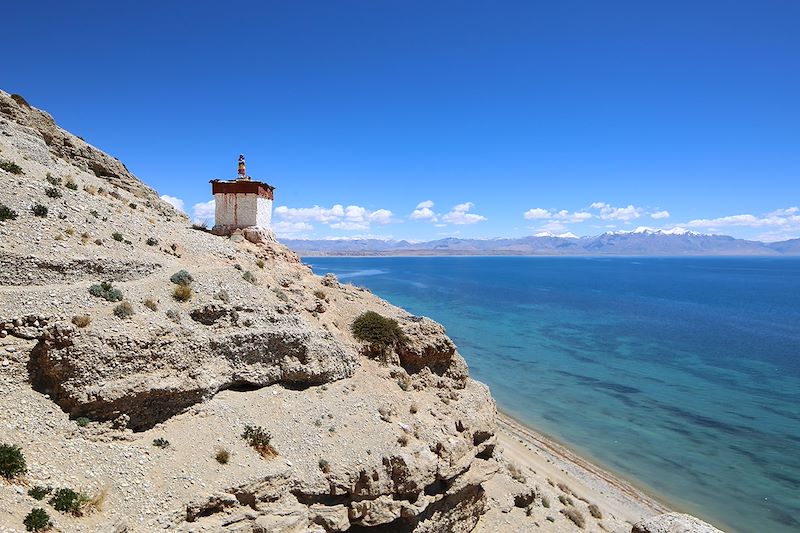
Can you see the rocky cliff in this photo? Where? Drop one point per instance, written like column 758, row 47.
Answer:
column 185, row 381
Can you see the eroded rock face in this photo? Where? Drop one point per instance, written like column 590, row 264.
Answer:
column 674, row 523
column 154, row 377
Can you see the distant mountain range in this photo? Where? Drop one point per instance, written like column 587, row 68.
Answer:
column 642, row 242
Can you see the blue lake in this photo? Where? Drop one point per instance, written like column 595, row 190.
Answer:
column 680, row 374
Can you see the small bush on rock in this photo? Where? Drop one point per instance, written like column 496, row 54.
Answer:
column 68, row 501
column 81, row 320
column 106, row 291
column 151, row 241
column 124, row 310
column 52, row 180
column 82, row 421
column 181, row 277
column 38, row 492
column 324, row 465
column 39, row 210
column 160, row 442
column 280, row 294
column 12, row 461
column 594, row 510
column 151, row 304
column 259, row 439
column 576, row 516
column 182, row 293
column 10, row 166
column 377, row 330
column 260, row 263
column 117, row 236
column 52, row 192
column 249, row 277
column 37, row 520
column 71, row 185
column 319, row 294
column 223, row 456
column 173, row 315
column 223, row 296
column 6, row 213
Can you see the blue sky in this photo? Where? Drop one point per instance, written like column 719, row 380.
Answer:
column 421, row 120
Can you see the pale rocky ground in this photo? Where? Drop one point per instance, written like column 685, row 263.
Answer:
column 407, row 440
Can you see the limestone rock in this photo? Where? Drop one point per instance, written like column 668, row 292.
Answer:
column 673, row 523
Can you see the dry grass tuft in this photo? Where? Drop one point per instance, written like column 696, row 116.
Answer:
column 182, row 293
column 81, row 320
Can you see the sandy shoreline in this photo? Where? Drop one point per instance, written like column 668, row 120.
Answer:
column 552, row 461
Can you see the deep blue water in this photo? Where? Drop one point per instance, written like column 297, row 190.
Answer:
column 681, row 374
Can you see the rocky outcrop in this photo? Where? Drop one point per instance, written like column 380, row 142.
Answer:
column 673, row 523
column 426, row 346
column 16, row 270
column 151, row 378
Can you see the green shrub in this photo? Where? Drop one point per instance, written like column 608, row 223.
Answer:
column 37, row 520
column 319, row 294
column 117, row 236
column 132, row 205
column 182, row 293
column 52, row 192
column 6, row 213
column 280, row 294
column 249, row 277
column 181, row 277
column 124, row 310
column 68, row 501
column 10, row 166
column 260, row 263
column 223, row 456
column 151, row 241
column 377, row 330
column 259, row 439
column 39, row 210
column 38, row 492
column 106, row 291
column 82, row 421
column 71, row 184
column 94, row 213
column 12, row 461
column 324, row 465
column 160, row 443
column 52, row 180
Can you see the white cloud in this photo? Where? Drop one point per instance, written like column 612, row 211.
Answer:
column 660, row 214
column 204, row 213
column 460, row 215
column 424, row 211
column 291, row 229
column 177, row 203
column 536, row 213
column 564, row 216
column 352, row 217
column 778, row 225
column 609, row 212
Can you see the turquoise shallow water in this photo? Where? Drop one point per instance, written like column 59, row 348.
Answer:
column 681, row 374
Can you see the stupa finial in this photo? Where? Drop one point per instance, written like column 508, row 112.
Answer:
column 242, row 171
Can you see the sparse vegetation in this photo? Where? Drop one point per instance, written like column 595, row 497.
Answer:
column 117, row 236
column 132, row 205
column 12, row 461
column 319, row 294
column 161, row 442
column 71, row 185
column 106, row 291
column 260, row 263
column 223, row 296
column 324, row 465
column 545, row 502
column 565, row 500
column 91, row 189
column 151, row 241
column 6, row 213
column 413, row 408
column 377, row 330
column 82, row 421
column 182, row 277
column 259, row 439
column 516, row 472
column 151, row 304
column 594, row 510
column 280, row 294
column 182, row 293
column 223, row 456
column 124, row 310
column 37, row 520
column 402, row 440
column 38, row 492
column 81, row 320
column 173, row 315
column 70, row 231
column 249, row 277
column 10, row 166
column 69, row 501
column 52, row 180
column 564, row 488
column 52, row 192
column 576, row 516
column 94, row 213
column 39, row 210
column 238, row 267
